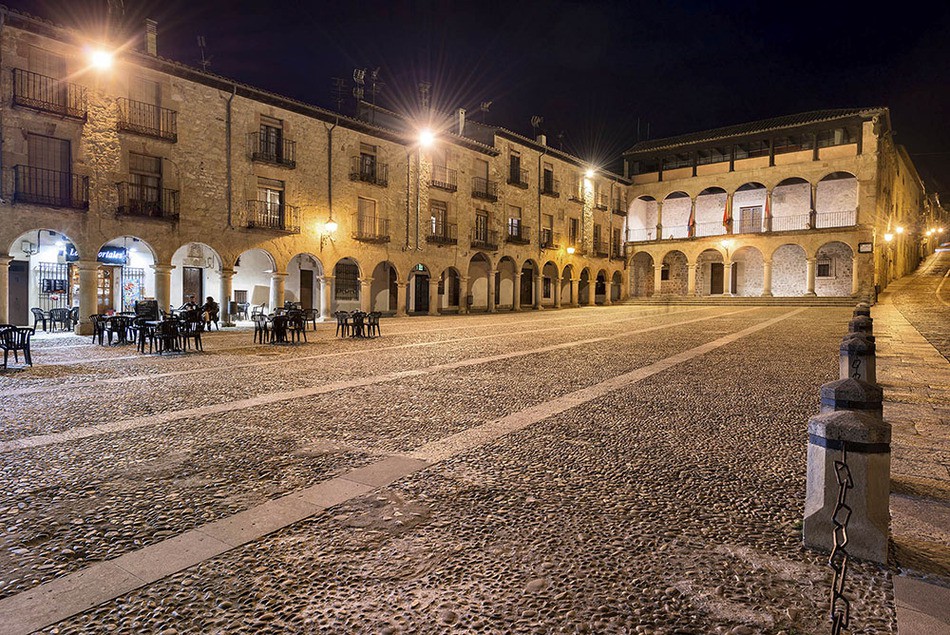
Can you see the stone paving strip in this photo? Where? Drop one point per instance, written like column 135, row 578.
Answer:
column 159, row 418
column 77, row 592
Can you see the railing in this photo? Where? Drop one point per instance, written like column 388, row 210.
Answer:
column 713, row 228
column 518, row 233
column 442, row 233
column 518, row 177
column 616, row 251
column 616, row 207
column 270, row 150
column 32, row 90
column 444, row 178
column 790, row 223
column 484, row 189
column 750, row 226
column 675, row 231
column 576, row 196
column 370, row 228
column 49, row 187
column 362, row 169
column 551, row 187
column 136, row 199
column 641, row 235
column 484, row 238
column 845, row 218
column 270, row 215
column 147, row 119
column 601, row 202
column 550, row 239
column 600, row 248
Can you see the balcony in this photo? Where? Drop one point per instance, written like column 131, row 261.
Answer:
column 369, row 228
column 790, row 223
column 146, row 201
column 601, row 202
column 616, row 207
column 845, row 218
column 600, row 249
column 269, row 150
column 616, row 251
column 551, row 187
column 441, row 233
column 518, row 234
column 148, row 120
column 483, row 238
column 484, row 189
column 273, row 216
column 49, row 187
column 549, row 239
column 369, row 170
column 444, row 178
column 642, row 235
column 714, row 228
column 518, row 177
column 576, row 196
column 45, row 94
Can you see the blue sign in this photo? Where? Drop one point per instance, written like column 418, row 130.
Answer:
column 107, row 255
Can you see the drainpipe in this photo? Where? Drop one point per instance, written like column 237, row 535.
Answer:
column 540, row 183
column 418, row 193
column 3, row 21
column 408, row 195
column 330, row 163
column 227, row 125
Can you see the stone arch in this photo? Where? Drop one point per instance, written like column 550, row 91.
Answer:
column 530, row 294
column 749, row 272
column 304, row 282
column 642, row 219
column 133, row 280
column 641, row 275
column 834, row 262
column 791, row 204
column 254, row 273
column 710, row 207
column 674, row 277
column 505, row 283
column 600, row 287
column 677, row 210
column 567, row 289
column 450, row 290
column 710, row 273
column 38, row 255
column 789, row 275
column 196, row 274
column 550, row 279
column 479, row 281
column 417, row 291
column 347, row 287
column 616, row 286
column 585, row 290
column 384, row 288
column 748, row 208
column 836, row 200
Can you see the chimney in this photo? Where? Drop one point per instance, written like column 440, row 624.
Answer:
column 461, row 122
column 543, row 139
column 151, row 37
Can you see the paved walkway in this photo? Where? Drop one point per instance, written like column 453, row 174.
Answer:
column 912, row 327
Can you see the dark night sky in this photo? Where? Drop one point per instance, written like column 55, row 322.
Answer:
column 590, row 69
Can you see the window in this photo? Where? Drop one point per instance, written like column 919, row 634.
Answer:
column 825, row 268
column 366, row 222
column 145, row 91
column 46, row 63
column 514, row 169
column 712, row 155
column 514, row 220
column 547, row 229
column 145, row 181
column 346, row 281
column 438, row 215
column 368, row 160
column 271, row 139
column 835, row 137
column 792, row 143
column 547, row 287
column 665, row 272
column 577, row 187
column 677, row 161
column 596, row 234
column 270, row 202
column 48, row 153
column 548, row 173
column 481, row 226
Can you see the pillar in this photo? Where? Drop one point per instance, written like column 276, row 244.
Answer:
column 557, row 292
column 491, row 290
column 277, row 280
column 727, row 283
column 163, row 286
column 657, row 279
column 88, row 298
column 227, row 276
column 326, row 302
column 691, row 230
column 575, row 291
column 810, row 277
column 659, row 220
column 538, row 291
column 767, row 278
column 433, row 295
column 855, row 278
column 463, row 295
column 727, row 214
column 768, row 210
column 608, row 290
column 691, row 279
column 592, row 292
column 366, row 300
column 813, row 212
column 5, row 289
column 516, row 292
column 401, row 288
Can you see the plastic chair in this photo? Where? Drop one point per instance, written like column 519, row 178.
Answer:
column 297, row 325
column 261, row 329
column 342, row 323
column 16, row 339
column 372, row 324
column 278, row 329
column 39, row 315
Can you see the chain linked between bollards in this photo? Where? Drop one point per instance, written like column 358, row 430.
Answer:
column 840, row 606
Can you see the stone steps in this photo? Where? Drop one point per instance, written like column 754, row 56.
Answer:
column 845, row 301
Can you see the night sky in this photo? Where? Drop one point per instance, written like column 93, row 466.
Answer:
column 591, row 70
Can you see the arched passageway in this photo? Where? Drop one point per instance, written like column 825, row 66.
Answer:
column 748, row 209
column 304, row 282
column 791, row 205
column 505, row 284
column 642, row 219
column 711, row 274
column 347, row 286
column 836, row 200
column 641, row 275
column 479, row 283
column 674, row 277
column 254, row 280
column 710, row 209
column 550, row 284
column 616, row 286
column 834, row 274
column 417, row 291
column 677, row 212
column 197, row 274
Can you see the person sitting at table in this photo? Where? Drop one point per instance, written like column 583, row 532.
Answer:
column 209, row 312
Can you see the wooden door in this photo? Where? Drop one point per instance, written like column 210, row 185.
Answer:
column 191, row 285
column 527, row 287
column 306, row 289
column 422, row 293
column 104, row 291
column 716, row 278
column 19, row 293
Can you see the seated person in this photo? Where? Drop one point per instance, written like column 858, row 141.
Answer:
column 209, row 311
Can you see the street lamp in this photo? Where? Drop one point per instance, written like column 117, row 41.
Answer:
column 900, row 229
column 570, row 251
column 100, row 59
column 888, row 237
column 426, row 138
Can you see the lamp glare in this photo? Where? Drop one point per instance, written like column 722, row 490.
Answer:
column 330, row 226
column 100, row 59
column 426, row 138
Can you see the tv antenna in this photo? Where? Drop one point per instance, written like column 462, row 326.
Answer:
column 338, row 92
column 484, row 109
column 374, row 87
column 205, row 61
column 424, row 94
column 536, row 122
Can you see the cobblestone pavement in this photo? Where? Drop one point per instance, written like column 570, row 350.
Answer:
column 667, row 503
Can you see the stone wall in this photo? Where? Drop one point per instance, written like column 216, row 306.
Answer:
column 840, row 259
column 678, row 281
column 748, row 263
column 789, row 271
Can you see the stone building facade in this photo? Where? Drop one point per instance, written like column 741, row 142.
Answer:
column 149, row 178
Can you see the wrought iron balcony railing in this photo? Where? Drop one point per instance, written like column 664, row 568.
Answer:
column 370, row 228
column 269, row 150
column 369, row 171
column 484, row 189
column 844, row 218
column 518, row 233
column 484, row 238
column 616, row 251
column 713, row 228
column 38, row 92
column 147, row 119
column 642, row 235
column 788, row 223
column 518, row 177
column 49, row 187
column 274, row 216
column 551, row 187
column 550, row 239
column 601, row 202
column 442, row 233
column 444, row 178
column 136, row 199
column 600, row 248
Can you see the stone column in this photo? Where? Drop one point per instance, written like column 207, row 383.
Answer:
column 810, row 277
column 88, row 298
column 767, row 278
column 401, row 288
column 463, row 295
column 227, row 276
column 592, row 292
column 538, row 291
column 657, row 279
column 768, row 210
column 277, row 280
column 163, row 286
column 366, row 300
column 608, row 291
column 855, row 277
column 5, row 289
column 575, row 291
column 727, row 214
column 813, row 212
column 326, row 303
column 491, row 290
column 433, row 296
column 691, row 279
column 659, row 220
column 516, row 292
column 557, row 292
column 691, row 230
column 727, row 283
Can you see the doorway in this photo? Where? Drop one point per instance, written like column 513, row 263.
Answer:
column 191, row 285
column 393, row 289
column 104, row 290
column 19, row 296
column 306, row 289
column 716, row 278
column 421, row 293
column 527, row 287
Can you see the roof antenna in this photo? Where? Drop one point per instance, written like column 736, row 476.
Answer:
column 359, row 78
column 484, row 110
column 205, row 61
column 338, row 92
column 424, row 96
column 536, row 122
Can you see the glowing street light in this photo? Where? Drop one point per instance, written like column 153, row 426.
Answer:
column 570, row 251
column 426, row 138
column 590, row 173
column 888, row 237
column 100, row 59
column 900, row 229
column 330, row 226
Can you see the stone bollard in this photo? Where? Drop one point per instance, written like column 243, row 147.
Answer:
column 861, row 324
column 862, row 310
column 857, row 355
column 866, row 439
column 852, row 394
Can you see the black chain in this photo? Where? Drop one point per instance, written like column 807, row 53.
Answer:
column 838, row 561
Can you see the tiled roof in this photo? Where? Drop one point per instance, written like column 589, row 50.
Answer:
column 754, row 127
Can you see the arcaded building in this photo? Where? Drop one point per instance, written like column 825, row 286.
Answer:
column 146, row 178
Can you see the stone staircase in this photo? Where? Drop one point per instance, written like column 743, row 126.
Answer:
column 666, row 300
